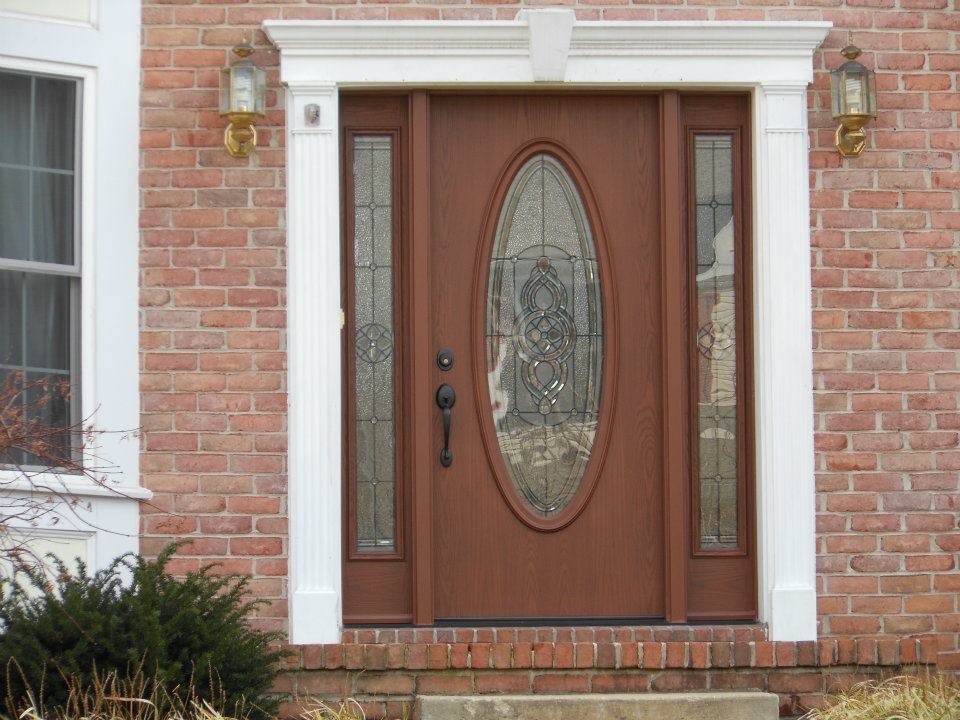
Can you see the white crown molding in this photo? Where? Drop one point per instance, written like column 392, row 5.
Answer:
column 773, row 60
column 385, row 52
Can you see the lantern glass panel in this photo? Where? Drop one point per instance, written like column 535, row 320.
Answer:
column 225, row 91
column 854, row 92
column 243, row 88
column 835, row 102
column 870, row 95
column 261, row 90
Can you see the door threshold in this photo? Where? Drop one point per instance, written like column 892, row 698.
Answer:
column 549, row 621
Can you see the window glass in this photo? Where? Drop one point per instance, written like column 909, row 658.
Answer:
column 15, row 91
column 39, row 270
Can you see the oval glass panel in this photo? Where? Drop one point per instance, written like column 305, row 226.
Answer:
column 544, row 336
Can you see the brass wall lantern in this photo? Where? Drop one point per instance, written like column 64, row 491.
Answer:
column 242, row 91
column 854, row 102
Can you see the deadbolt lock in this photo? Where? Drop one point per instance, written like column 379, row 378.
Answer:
column 445, row 359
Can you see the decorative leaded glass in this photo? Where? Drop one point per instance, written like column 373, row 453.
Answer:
column 544, row 336
column 716, row 342
column 374, row 342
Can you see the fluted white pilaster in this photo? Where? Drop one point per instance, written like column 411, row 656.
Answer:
column 314, row 374
column 784, row 365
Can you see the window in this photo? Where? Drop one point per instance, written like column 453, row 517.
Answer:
column 68, row 264
column 39, row 247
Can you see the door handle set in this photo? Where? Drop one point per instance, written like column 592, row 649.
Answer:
column 446, row 398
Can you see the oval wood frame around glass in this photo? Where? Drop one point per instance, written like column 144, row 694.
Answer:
column 608, row 356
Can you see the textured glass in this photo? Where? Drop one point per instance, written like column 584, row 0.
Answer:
column 716, row 342
column 544, row 336
column 374, row 342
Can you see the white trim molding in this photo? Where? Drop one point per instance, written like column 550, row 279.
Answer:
column 105, row 58
column 550, row 47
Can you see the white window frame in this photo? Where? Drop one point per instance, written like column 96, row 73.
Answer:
column 773, row 60
column 105, row 61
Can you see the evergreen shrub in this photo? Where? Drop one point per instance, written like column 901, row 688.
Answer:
column 189, row 635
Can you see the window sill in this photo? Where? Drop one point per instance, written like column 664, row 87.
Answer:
column 56, row 484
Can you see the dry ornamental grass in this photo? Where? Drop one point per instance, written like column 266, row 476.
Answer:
column 897, row 698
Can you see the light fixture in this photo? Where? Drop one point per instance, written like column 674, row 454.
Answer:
column 242, row 90
column 854, row 101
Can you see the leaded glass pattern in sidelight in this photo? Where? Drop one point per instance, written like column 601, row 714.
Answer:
column 716, row 339
column 374, row 343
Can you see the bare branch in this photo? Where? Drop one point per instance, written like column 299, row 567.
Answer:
column 44, row 457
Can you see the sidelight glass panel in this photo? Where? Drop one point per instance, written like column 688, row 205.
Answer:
column 544, row 336
column 716, row 338
column 374, row 343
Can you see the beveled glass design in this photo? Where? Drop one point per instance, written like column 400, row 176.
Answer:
column 716, row 342
column 39, row 238
column 374, row 342
column 544, row 336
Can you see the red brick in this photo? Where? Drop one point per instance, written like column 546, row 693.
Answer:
column 561, row 683
column 503, row 683
column 444, row 684
column 652, row 655
column 543, row 655
column 619, row 683
column 372, row 683
column 764, row 654
column 479, row 655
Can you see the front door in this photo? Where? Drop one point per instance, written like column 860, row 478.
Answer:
column 545, row 287
column 546, row 357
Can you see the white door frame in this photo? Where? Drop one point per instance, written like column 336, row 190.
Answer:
column 550, row 47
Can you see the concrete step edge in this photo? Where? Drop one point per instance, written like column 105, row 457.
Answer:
column 719, row 705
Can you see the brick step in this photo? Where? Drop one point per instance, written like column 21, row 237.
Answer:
column 616, row 655
column 650, row 706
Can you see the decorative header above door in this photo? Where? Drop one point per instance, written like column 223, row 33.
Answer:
column 548, row 45
column 774, row 60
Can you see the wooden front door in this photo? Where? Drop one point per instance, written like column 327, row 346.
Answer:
column 545, row 285
column 546, row 357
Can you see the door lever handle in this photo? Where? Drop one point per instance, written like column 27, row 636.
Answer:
column 446, row 398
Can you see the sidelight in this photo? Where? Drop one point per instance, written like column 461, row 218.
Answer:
column 715, row 320
column 544, row 336
column 375, row 502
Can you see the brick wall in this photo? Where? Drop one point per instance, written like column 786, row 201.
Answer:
column 886, row 237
